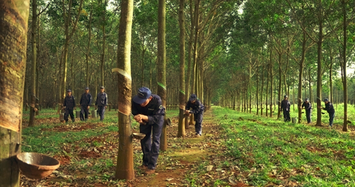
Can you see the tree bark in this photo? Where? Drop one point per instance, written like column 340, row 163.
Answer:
column 162, row 66
column 13, row 27
column 181, row 126
column 271, row 78
column 103, row 46
column 344, row 66
column 68, row 36
column 280, row 89
column 300, row 78
column 267, row 89
column 330, row 76
column 319, row 64
column 261, row 91
column 88, row 50
column 189, row 61
column 257, row 94
column 34, row 63
column 310, row 84
column 125, row 168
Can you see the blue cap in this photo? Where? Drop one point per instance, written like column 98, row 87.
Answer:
column 87, row 88
column 102, row 87
column 69, row 90
column 285, row 96
column 143, row 94
column 307, row 99
column 326, row 100
column 193, row 97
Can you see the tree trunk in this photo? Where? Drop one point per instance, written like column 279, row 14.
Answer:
column 267, row 89
column 103, row 46
column 125, row 169
column 12, row 79
column 300, row 78
column 319, row 64
column 344, row 66
column 38, row 52
column 181, row 126
column 189, row 60
column 310, row 84
column 271, row 78
column 280, row 89
column 257, row 94
column 88, row 50
column 68, row 36
column 293, row 96
column 34, row 63
column 249, row 86
column 330, row 76
column 261, row 91
column 195, row 57
column 60, row 82
column 162, row 66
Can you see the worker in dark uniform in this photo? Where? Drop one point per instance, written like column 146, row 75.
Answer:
column 285, row 107
column 194, row 106
column 69, row 106
column 308, row 107
column 330, row 109
column 149, row 112
column 101, row 103
column 85, row 102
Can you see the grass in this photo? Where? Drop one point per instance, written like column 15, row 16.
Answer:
column 255, row 150
column 339, row 113
column 44, row 140
column 271, row 151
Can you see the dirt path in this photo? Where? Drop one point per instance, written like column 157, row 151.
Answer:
column 183, row 155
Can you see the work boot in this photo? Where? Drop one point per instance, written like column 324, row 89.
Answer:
column 149, row 171
column 143, row 167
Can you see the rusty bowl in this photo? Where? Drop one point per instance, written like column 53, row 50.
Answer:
column 36, row 165
column 138, row 135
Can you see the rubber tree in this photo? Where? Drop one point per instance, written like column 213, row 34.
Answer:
column 102, row 65
column 344, row 64
column 124, row 168
column 68, row 36
column 13, row 27
column 87, row 55
column 181, row 126
column 34, row 63
column 162, row 66
column 322, row 20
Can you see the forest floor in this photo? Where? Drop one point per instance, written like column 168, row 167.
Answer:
column 236, row 149
column 87, row 152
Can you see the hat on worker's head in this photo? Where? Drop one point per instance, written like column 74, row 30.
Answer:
column 87, row 88
column 307, row 99
column 326, row 99
column 143, row 94
column 285, row 96
column 69, row 90
column 102, row 87
column 192, row 97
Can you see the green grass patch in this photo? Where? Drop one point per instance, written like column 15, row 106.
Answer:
column 271, row 151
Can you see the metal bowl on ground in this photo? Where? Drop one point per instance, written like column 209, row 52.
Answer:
column 36, row 165
column 138, row 135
